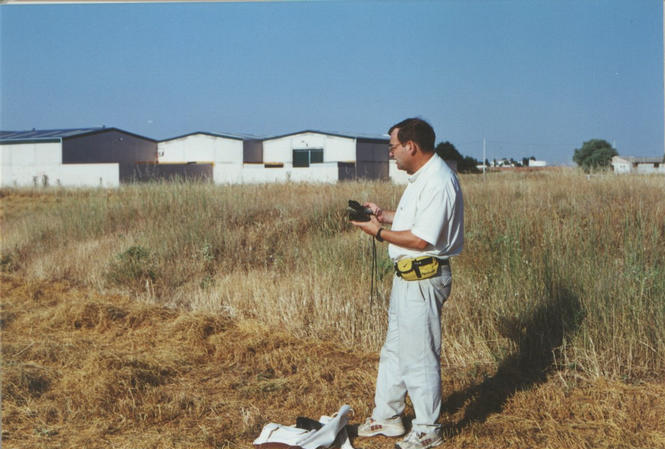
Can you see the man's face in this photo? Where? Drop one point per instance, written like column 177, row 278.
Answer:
column 398, row 151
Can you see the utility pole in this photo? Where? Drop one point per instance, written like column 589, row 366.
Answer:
column 485, row 152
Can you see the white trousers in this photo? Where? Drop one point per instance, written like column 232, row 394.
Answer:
column 411, row 355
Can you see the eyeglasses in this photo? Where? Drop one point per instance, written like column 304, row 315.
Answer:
column 392, row 148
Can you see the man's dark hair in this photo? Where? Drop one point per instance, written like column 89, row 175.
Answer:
column 417, row 130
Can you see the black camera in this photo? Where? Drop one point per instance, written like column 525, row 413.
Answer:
column 358, row 212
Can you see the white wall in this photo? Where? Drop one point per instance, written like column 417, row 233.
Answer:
column 40, row 164
column 257, row 173
column 201, row 148
column 69, row 175
column 30, row 154
column 228, row 172
column 88, row 175
column 335, row 148
column 621, row 165
column 326, row 172
column 650, row 168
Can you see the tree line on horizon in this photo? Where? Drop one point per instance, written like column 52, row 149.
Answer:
column 594, row 154
column 469, row 164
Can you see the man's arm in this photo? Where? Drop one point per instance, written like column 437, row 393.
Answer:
column 405, row 239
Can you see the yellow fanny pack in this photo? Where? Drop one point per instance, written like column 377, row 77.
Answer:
column 415, row 269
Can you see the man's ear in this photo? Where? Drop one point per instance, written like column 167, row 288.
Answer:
column 411, row 147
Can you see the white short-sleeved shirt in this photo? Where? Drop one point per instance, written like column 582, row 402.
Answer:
column 431, row 208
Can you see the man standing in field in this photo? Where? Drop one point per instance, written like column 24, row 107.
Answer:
column 427, row 229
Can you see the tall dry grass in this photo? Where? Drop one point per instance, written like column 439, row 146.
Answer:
column 560, row 270
column 83, row 369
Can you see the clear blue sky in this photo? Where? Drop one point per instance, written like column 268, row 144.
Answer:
column 533, row 77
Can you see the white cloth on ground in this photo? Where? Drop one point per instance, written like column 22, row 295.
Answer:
column 276, row 436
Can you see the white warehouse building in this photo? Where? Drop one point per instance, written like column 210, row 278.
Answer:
column 639, row 165
column 82, row 157
column 39, row 164
column 109, row 156
column 224, row 152
column 305, row 156
column 317, row 156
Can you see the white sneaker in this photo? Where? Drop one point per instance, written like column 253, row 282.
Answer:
column 392, row 427
column 420, row 440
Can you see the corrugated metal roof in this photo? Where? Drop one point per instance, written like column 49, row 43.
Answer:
column 643, row 160
column 46, row 134
column 37, row 135
column 223, row 135
column 237, row 135
column 337, row 134
column 52, row 134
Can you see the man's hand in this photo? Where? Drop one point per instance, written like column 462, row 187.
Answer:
column 383, row 216
column 370, row 227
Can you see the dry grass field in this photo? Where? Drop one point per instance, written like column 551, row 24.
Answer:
column 189, row 315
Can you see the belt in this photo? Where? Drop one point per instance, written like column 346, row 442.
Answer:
column 415, row 269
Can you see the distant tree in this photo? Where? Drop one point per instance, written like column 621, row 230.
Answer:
column 594, row 154
column 470, row 165
column 448, row 152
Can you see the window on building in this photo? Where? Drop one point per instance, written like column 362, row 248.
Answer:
column 302, row 158
column 316, row 156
